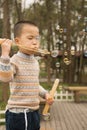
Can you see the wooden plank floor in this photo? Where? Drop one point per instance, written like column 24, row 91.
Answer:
column 65, row 116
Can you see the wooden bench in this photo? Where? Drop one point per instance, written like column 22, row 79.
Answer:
column 82, row 90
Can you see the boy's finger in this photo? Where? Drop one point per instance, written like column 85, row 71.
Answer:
column 2, row 40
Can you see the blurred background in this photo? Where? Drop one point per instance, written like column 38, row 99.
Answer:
column 63, row 30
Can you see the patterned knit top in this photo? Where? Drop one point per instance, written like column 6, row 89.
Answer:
column 22, row 71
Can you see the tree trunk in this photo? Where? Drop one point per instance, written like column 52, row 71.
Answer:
column 6, row 34
column 68, row 46
column 49, row 35
column 81, row 59
column 6, row 20
column 5, row 94
column 18, row 9
column 82, row 44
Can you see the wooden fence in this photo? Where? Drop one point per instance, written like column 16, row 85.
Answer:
column 64, row 96
column 2, row 119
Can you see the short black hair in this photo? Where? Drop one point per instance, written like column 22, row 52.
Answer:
column 19, row 25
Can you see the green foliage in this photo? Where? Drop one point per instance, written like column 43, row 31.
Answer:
column 43, row 74
column 48, row 14
column 46, row 85
column 2, row 105
column 14, row 50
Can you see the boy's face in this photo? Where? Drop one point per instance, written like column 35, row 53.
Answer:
column 29, row 38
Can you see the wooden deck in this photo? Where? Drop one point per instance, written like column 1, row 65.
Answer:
column 66, row 116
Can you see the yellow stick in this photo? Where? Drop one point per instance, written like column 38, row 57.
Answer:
column 44, row 52
column 37, row 51
column 52, row 92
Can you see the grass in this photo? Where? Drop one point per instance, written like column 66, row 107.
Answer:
column 43, row 74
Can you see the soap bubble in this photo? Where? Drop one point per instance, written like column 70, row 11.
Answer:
column 54, row 53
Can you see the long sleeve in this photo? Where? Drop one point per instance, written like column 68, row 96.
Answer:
column 42, row 91
column 6, row 70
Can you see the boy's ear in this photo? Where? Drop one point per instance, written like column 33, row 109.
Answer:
column 16, row 40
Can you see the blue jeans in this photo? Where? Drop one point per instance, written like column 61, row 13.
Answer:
column 16, row 121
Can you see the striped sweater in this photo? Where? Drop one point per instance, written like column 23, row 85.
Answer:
column 22, row 73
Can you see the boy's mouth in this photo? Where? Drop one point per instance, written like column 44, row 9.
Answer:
column 34, row 50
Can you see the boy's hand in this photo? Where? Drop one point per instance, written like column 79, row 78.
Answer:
column 49, row 99
column 6, row 46
column 2, row 40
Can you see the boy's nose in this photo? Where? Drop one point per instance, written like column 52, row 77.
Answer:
column 35, row 41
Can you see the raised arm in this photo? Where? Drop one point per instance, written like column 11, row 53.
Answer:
column 6, row 70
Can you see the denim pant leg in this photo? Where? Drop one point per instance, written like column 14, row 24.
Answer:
column 16, row 121
column 33, row 120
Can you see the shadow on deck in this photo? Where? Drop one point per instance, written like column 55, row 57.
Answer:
column 65, row 116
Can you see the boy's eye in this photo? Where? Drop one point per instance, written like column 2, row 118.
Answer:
column 30, row 38
column 37, row 38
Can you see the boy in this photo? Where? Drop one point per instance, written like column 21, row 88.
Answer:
column 22, row 71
